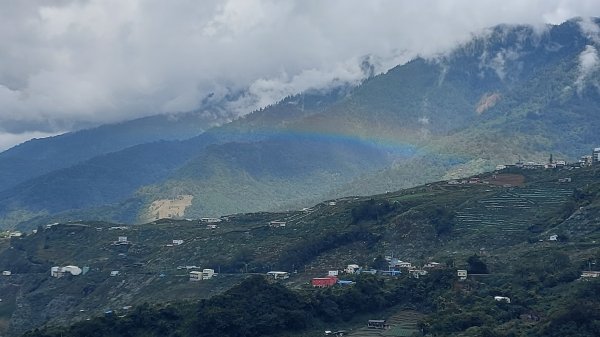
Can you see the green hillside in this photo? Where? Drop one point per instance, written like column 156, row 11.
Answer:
column 505, row 219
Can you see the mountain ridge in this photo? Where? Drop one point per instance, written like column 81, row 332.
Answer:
column 513, row 92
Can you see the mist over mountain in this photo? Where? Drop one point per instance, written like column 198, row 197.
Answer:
column 511, row 92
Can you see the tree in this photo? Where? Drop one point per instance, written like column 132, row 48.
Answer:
column 476, row 265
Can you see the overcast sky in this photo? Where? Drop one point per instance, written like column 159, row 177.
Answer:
column 66, row 64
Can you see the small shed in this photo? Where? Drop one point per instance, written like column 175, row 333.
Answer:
column 376, row 324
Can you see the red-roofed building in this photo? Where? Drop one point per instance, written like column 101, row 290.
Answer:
column 323, row 282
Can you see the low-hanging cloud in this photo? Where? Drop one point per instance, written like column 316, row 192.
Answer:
column 73, row 63
column 589, row 62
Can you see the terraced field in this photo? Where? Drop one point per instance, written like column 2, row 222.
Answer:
column 511, row 211
column 401, row 324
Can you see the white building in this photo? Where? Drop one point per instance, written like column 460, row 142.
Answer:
column 278, row 275
column 416, row 273
column 502, row 299
column 177, row 242
column 462, row 274
column 433, row 265
column 210, row 220
column 195, row 276
column 590, row 274
column 332, row 273
column 6, row 273
column 114, row 273
column 61, row 271
column 276, row 224
column 596, row 156
column 403, row 264
column 351, row 269
column 207, row 274
column 553, row 237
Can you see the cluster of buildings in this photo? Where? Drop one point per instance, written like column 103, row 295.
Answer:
column 14, row 234
column 396, row 267
column 592, row 159
column 587, row 160
column 205, row 274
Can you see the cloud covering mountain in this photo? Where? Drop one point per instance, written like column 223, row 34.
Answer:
column 73, row 63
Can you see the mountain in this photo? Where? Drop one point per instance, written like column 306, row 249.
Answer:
column 511, row 92
column 501, row 223
column 40, row 156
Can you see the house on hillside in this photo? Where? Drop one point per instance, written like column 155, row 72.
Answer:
column 351, row 269
column 195, row 275
column 119, row 228
column 278, row 275
column 391, row 272
column 121, row 240
column 502, row 299
column 323, row 282
column 585, row 161
column 403, row 264
column 462, row 274
column 207, row 274
column 596, row 156
column 59, row 272
column 210, row 220
column 332, row 273
column 590, row 274
column 6, row 273
column 177, row 242
column 416, row 273
column 553, row 237
column 276, row 224
column 345, row 282
column 433, row 265
column 376, row 324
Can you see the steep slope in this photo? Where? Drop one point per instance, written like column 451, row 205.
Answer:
column 114, row 177
column 268, row 175
column 40, row 156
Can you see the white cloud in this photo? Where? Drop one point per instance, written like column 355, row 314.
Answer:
column 71, row 63
column 590, row 28
column 589, row 62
